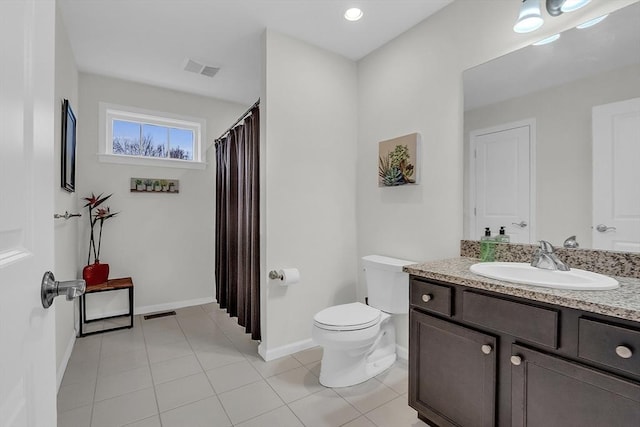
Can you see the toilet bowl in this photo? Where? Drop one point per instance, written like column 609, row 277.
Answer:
column 359, row 340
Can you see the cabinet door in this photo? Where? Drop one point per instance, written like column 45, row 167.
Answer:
column 550, row 391
column 452, row 372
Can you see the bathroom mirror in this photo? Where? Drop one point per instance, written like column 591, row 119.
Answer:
column 552, row 90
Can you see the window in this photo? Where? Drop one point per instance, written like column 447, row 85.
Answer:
column 135, row 136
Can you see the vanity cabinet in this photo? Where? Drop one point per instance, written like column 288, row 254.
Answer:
column 479, row 358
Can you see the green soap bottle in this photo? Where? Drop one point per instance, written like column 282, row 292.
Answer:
column 487, row 247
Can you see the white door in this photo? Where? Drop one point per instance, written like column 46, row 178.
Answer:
column 501, row 183
column 616, row 176
column 27, row 354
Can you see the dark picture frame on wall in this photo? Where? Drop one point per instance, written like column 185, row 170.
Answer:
column 68, row 175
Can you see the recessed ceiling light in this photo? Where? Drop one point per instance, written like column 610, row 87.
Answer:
column 548, row 40
column 592, row 22
column 353, row 14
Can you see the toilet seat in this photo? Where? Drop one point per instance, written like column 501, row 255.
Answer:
column 347, row 317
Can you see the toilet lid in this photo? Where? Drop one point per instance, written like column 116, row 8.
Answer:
column 347, row 317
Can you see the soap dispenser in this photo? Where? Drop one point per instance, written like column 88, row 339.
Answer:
column 502, row 237
column 487, row 246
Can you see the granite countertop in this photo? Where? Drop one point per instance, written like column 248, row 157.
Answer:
column 623, row 302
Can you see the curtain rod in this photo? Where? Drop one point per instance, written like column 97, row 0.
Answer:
column 245, row 114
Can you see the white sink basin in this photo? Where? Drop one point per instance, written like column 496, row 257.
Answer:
column 520, row 272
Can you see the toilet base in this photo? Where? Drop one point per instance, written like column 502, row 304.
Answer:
column 344, row 368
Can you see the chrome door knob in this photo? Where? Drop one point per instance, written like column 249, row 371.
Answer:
column 603, row 228
column 486, row 349
column 426, row 297
column 624, row 351
column 516, row 360
column 50, row 288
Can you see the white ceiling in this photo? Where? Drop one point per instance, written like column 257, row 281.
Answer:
column 149, row 41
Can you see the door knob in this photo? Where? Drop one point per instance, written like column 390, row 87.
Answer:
column 521, row 224
column 50, row 288
column 603, row 228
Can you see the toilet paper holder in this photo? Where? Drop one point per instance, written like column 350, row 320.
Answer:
column 275, row 275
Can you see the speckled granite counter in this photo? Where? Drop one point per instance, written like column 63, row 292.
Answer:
column 623, row 302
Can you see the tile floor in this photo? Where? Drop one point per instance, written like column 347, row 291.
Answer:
column 199, row 368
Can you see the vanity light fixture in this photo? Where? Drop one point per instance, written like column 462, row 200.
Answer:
column 353, row 14
column 530, row 18
column 571, row 5
column 592, row 22
column 547, row 40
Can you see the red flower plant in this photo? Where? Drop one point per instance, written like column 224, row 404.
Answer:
column 101, row 215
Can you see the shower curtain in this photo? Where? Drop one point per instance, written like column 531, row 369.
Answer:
column 237, row 248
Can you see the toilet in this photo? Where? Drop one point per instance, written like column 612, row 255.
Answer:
column 359, row 340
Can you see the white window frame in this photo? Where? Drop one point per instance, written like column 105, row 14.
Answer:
column 110, row 112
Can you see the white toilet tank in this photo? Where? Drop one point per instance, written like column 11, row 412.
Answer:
column 387, row 284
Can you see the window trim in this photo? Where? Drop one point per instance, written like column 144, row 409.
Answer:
column 109, row 112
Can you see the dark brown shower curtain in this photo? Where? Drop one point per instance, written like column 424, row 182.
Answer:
column 237, row 258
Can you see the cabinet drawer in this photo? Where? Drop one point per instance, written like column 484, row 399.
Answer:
column 529, row 322
column 431, row 297
column 611, row 345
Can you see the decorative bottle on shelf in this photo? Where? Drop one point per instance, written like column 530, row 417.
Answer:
column 487, row 247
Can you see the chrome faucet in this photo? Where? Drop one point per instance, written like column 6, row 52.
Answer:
column 544, row 257
column 571, row 243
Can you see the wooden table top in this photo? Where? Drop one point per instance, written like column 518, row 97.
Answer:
column 120, row 283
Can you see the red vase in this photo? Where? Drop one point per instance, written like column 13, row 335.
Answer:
column 95, row 273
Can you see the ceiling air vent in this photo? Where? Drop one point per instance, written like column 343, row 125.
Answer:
column 196, row 67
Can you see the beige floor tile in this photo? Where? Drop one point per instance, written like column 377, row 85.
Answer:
column 173, row 369
column 232, row 376
column 274, row 367
column 147, row 422
column 122, row 362
column 78, row 417
column 183, row 391
column 295, row 384
column 122, row 383
column 125, row 409
column 314, row 368
column 281, row 417
column 215, row 357
column 80, row 372
column 161, row 352
column 396, row 377
column 121, row 343
column 396, row 413
column 195, row 310
column 75, row 395
column 324, row 409
column 367, row 395
column 86, row 349
column 309, row 356
column 360, row 422
column 208, row 308
column 204, row 413
column 263, row 399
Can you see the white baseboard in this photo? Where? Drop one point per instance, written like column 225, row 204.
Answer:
column 284, row 350
column 156, row 308
column 172, row 305
column 65, row 360
column 402, row 352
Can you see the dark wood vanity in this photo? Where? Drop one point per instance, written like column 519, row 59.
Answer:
column 484, row 358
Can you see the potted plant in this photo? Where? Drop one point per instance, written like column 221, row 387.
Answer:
column 148, row 184
column 139, row 186
column 156, row 186
column 95, row 273
column 163, row 184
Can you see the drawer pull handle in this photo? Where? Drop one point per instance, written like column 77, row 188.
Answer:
column 516, row 360
column 624, row 351
column 426, row 297
column 486, row 349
